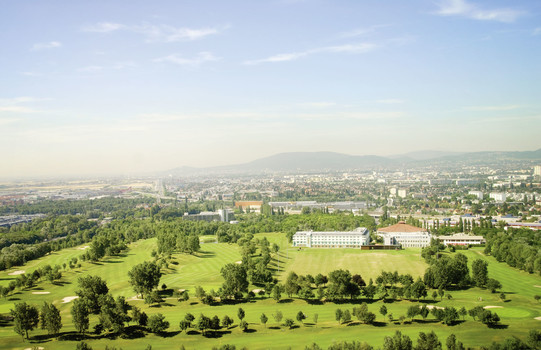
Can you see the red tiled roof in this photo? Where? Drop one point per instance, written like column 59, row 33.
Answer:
column 402, row 227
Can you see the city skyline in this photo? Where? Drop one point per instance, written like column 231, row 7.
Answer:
column 101, row 88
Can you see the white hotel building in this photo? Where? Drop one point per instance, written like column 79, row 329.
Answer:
column 407, row 236
column 461, row 239
column 332, row 239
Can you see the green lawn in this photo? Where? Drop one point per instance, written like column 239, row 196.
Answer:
column 188, row 271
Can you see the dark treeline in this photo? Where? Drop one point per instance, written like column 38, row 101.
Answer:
column 519, row 248
column 92, row 207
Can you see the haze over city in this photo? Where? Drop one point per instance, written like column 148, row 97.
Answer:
column 108, row 87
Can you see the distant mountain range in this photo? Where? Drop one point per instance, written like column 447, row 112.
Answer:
column 308, row 162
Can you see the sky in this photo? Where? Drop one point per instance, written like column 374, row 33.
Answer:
column 127, row 87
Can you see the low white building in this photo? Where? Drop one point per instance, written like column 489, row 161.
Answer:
column 332, row 239
column 461, row 239
column 407, row 236
column 498, row 196
column 478, row 194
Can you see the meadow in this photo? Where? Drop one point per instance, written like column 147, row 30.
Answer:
column 518, row 312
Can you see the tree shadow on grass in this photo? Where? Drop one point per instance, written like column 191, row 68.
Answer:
column 205, row 254
column 134, row 332
column 192, row 332
column 273, row 327
column 314, row 301
column 168, row 334
column 285, row 301
column 499, row 326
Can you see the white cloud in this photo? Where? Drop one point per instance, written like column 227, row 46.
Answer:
column 493, row 108
column 469, row 10
column 103, row 27
column 90, row 69
column 201, row 57
column 318, row 104
column 16, row 104
column 348, row 48
column 390, row 101
column 16, row 109
column 6, row 121
column 156, row 32
column 43, row 46
column 362, row 31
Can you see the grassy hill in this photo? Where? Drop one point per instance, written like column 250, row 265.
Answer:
column 188, row 271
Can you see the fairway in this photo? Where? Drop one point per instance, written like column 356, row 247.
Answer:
column 186, row 271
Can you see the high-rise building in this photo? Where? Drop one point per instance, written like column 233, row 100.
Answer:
column 537, row 170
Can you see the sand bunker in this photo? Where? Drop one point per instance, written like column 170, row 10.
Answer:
column 537, row 286
column 68, row 299
column 492, row 307
column 15, row 273
column 430, row 307
column 41, row 292
column 134, row 298
column 537, row 318
column 85, row 247
column 39, row 348
column 238, row 262
column 256, row 291
column 181, row 290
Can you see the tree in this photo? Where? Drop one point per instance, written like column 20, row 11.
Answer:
column 301, row 316
column 383, row 311
column 315, row 318
column 534, row 339
column 79, row 313
column 277, row 292
column 92, row 288
column 243, row 325
column 493, row 285
column 157, row 323
column 480, row 272
column 50, row 318
column 397, row 342
column 236, row 280
column 413, row 310
column 145, row 277
column 241, row 314
column 278, row 316
column 227, row 321
column 203, row 323
column 264, row 319
column 83, row 346
column 428, row 341
column 25, row 318
column 453, row 344
column 338, row 315
column 289, row 323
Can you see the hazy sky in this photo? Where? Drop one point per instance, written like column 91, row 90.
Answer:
column 89, row 87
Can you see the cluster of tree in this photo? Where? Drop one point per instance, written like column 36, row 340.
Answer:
column 484, row 316
column 445, row 272
column 27, row 317
column 88, row 207
column 51, row 274
column 519, row 248
column 430, row 341
column 361, row 313
column 95, row 299
column 425, row 341
column 211, row 324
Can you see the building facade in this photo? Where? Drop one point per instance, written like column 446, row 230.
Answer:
column 407, row 236
column 332, row 239
column 461, row 239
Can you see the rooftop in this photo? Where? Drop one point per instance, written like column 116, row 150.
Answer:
column 402, row 227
